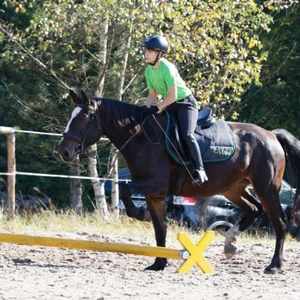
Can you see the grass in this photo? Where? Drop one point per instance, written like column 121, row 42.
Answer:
column 51, row 221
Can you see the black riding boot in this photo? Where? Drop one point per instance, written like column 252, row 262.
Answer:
column 194, row 151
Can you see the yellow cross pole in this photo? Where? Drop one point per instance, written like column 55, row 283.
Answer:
column 196, row 252
column 191, row 254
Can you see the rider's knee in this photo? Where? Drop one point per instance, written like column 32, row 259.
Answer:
column 189, row 137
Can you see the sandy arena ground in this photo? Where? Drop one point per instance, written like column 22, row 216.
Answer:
column 33, row 272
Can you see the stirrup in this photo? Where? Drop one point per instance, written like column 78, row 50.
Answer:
column 200, row 176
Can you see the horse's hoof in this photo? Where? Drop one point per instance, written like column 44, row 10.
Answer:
column 229, row 251
column 153, row 267
column 158, row 265
column 271, row 270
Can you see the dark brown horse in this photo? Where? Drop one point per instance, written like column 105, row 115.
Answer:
column 259, row 159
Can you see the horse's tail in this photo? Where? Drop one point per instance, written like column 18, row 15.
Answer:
column 291, row 147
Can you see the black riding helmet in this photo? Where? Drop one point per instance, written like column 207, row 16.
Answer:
column 156, row 42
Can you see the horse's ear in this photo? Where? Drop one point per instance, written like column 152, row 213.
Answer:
column 73, row 95
column 85, row 98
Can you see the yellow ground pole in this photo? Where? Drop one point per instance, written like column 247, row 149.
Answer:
column 189, row 254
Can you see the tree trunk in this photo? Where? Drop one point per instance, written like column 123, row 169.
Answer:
column 125, row 47
column 115, row 185
column 103, row 33
column 98, row 185
column 76, row 188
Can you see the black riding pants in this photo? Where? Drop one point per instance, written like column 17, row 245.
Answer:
column 186, row 112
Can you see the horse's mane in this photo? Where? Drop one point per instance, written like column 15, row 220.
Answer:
column 128, row 114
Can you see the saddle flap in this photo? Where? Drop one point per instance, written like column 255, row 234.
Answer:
column 216, row 141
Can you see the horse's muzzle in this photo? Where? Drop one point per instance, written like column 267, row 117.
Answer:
column 65, row 154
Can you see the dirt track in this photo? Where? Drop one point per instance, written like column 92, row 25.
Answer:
column 32, row 272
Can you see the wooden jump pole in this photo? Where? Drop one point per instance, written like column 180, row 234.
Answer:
column 191, row 254
column 23, row 239
column 11, row 167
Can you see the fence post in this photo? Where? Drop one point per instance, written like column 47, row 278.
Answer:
column 11, row 182
column 11, row 168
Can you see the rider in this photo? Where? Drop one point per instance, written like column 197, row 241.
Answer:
column 163, row 79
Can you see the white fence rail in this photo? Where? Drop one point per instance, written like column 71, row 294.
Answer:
column 11, row 166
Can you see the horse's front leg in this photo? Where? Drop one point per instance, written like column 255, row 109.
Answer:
column 139, row 213
column 156, row 206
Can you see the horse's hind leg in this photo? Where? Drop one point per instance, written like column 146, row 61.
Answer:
column 280, row 226
column 252, row 210
column 268, row 193
column 139, row 213
column 271, row 204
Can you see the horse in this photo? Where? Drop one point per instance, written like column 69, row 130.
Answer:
column 259, row 159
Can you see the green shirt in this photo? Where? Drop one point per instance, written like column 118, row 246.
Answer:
column 165, row 77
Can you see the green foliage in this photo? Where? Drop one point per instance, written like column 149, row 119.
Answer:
column 221, row 48
column 217, row 45
column 276, row 103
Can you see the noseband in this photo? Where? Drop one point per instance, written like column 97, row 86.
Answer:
column 92, row 115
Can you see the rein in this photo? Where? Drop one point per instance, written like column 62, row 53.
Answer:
column 131, row 137
column 182, row 161
column 94, row 115
column 146, row 134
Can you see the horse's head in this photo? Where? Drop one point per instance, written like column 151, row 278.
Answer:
column 83, row 129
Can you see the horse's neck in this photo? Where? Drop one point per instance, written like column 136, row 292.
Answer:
column 117, row 133
column 126, row 138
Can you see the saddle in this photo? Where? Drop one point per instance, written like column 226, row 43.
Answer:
column 215, row 139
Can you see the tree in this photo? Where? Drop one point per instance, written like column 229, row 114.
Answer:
column 49, row 46
column 276, row 102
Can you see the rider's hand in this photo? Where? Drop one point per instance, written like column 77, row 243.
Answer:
column 152, row 110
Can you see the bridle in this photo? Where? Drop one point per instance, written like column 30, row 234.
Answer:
column 92, row 109
column 92, row 116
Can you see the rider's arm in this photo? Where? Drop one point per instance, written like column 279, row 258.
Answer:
column 151, row 97
column 172, row 95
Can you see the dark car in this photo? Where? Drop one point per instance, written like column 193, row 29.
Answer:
column 214, row 213
column 219, row 214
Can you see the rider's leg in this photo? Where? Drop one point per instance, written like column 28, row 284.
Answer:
column 199, row 172
column 187, row 117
